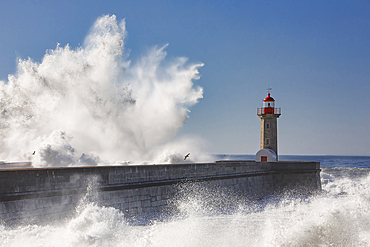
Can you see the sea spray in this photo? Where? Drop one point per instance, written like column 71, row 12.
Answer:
column 89, row 106
column 329, row 219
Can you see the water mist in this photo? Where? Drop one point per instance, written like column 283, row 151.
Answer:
column 89, row 106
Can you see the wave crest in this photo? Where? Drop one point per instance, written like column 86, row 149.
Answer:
column 108, row 107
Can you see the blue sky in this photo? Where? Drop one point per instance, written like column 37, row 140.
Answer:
column 315, row 55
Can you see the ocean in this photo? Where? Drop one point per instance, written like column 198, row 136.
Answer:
column 134, row 117
column 339, row 216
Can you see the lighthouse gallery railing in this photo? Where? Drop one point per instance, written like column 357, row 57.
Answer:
column 268, row 110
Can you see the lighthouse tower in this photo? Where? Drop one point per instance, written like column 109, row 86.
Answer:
column 269, row 115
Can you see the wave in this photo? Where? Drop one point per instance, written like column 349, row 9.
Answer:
column 90, row 106
column 339, row 216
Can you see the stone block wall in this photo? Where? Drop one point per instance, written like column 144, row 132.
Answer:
column 44, row 194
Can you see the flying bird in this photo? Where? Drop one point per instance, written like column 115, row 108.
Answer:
column 33, row 152
column 186, row 156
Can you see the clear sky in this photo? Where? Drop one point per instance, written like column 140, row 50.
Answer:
column 315, row 55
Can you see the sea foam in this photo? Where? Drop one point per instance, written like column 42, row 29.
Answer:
column 89, row 105
column 329, row 219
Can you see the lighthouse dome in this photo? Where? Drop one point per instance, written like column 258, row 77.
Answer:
column 269, row 98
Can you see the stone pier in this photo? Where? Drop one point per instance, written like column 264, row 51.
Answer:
column 33, row 195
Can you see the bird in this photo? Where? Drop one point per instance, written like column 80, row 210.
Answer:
column 33, row 152
column 186, row 156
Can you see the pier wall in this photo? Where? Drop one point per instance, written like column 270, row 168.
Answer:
column 33, row 195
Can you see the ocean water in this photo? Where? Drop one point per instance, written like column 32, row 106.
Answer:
column 93, row 105
column 134, row 109
column 340, row 216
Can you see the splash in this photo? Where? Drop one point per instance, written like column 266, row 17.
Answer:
column 89, row 106
column 330, row 219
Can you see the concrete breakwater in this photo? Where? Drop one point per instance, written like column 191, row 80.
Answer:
column 33, row 195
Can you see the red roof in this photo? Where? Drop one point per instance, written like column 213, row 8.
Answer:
column 268, row 98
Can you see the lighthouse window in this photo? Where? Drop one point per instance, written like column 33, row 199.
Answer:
column 267, row 141
column 268, row 104
column 267, row 125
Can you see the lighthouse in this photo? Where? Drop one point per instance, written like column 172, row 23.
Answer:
column 268, row 143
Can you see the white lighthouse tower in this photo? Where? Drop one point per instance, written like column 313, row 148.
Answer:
column 269, row 115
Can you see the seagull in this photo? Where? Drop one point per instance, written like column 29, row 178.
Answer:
column 186, row 156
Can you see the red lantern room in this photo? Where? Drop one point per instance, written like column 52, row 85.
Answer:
column 268, row 105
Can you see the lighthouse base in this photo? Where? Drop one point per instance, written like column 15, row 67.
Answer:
column 266, row 155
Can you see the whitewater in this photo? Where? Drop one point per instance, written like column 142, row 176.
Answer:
column 91, row 105
column 339, row 216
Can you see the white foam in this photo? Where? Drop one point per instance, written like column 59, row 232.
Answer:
column 91, row 101
column 325, row 220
